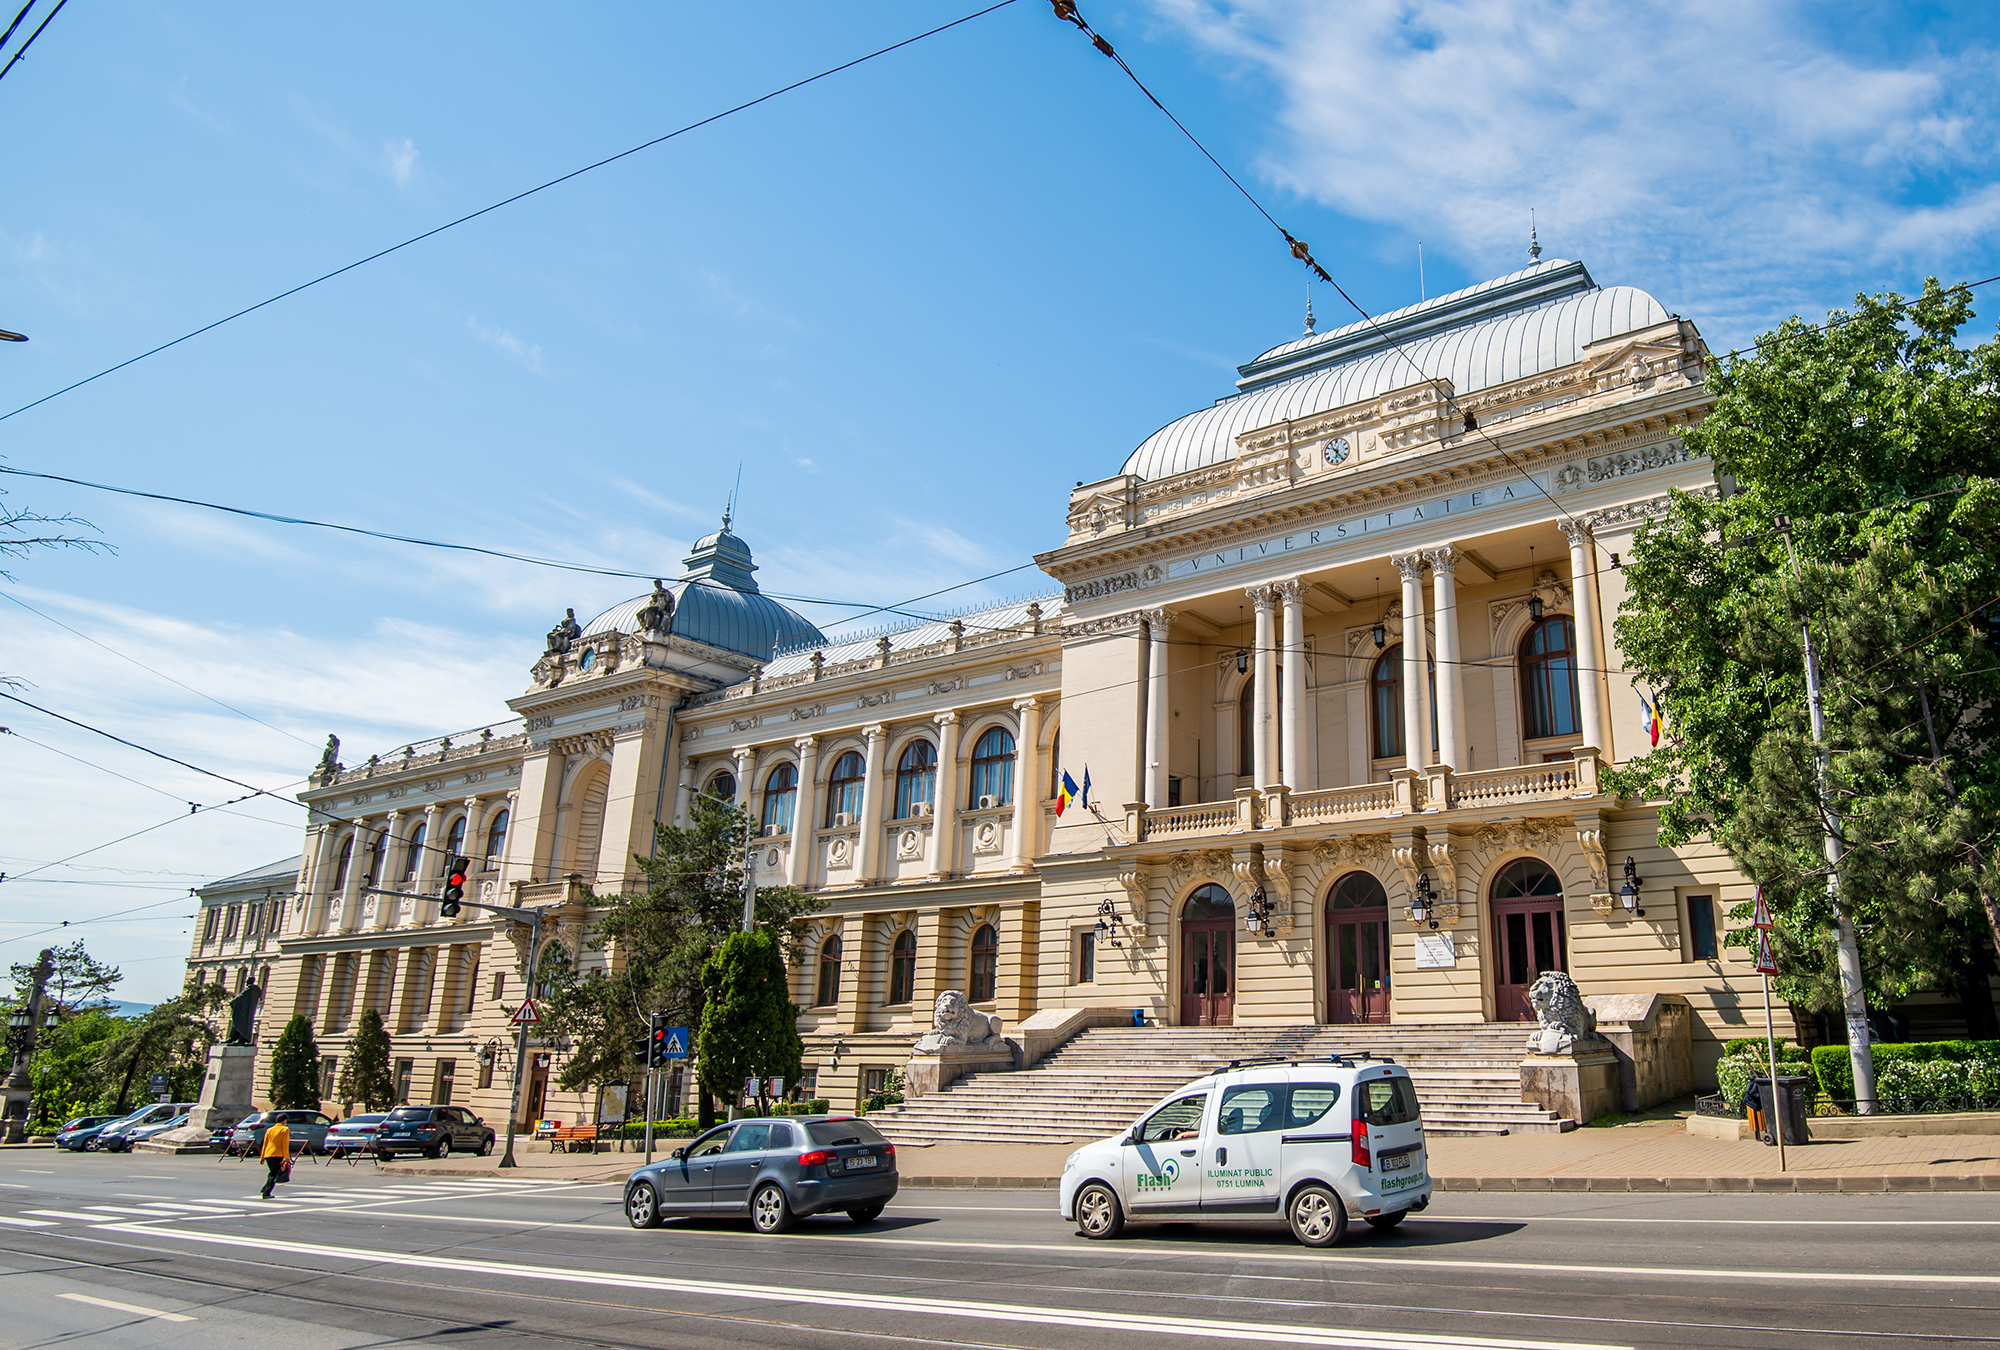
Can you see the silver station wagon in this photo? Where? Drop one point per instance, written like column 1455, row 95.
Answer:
column 775, row 1171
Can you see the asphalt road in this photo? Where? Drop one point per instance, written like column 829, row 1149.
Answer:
column 123, row 1251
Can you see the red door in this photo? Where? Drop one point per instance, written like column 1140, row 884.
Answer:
column 1208, row 982
column 1360, row 976
column 1528, row 935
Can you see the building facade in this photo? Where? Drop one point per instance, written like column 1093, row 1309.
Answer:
column 1334, row 654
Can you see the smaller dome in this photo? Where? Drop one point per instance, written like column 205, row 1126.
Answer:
column 717, row 602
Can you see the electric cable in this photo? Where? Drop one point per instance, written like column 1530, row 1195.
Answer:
column 8, row 36
column 22, row 50
column 505, row 201
column 156, row 754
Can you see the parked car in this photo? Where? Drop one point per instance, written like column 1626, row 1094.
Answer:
column 308, row 1130
column 434, row 1131
column 356, row 1134
column 775, row 1171
column 1306, row 1141
column 117, row 1136
column 139, row 1134
column 78, row 1134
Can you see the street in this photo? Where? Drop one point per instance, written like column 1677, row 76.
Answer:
column 123, row 1251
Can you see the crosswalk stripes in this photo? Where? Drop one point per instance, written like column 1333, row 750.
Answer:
column 316, row 1197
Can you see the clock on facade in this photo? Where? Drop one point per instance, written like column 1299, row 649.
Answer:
column 1336, row 450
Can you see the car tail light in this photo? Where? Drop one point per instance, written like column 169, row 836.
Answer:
column 888, row 1150
column 1361, row 1143
column 819, row 1157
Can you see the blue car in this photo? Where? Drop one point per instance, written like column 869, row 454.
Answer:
column 80, row 1134
column 774, row 1171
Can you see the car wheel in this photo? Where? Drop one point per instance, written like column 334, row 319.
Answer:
column 443, row 1148
column 383, row 1155
column 868, row 1213
column 1098, row 1214
column 770, row 1212
column 1387, row 1221
column 486, row 1147
column 1317, row 1215
column 642, row 1206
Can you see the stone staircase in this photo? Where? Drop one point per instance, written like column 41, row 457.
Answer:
column 1468, row 1081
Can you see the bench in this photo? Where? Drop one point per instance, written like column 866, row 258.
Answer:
column 565, row 1138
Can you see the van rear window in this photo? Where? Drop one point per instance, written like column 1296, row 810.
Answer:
column 1311, row 1102
column 831, row 1133
column 1386, row 1101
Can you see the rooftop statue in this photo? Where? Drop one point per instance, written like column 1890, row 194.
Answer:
column 564, row 635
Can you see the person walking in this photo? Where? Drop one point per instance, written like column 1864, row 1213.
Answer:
column 276, row 1152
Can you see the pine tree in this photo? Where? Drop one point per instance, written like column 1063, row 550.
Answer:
column 295, row 1067
column 749, row 1024
column 364, row 1074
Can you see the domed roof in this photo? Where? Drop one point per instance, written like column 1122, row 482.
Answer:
column 1500, row 330
column 717, row 602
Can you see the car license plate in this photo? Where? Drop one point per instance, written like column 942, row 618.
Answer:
column 861, row 1164
column 1398, row 1162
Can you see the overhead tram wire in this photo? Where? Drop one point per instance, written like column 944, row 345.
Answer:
column 23, row 49
column 503, row 202
column 8, row 36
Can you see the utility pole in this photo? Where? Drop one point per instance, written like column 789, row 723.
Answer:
column 750, row 885
column 1853, row 995
column 21, row 1032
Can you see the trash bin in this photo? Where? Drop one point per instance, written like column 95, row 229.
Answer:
column 1790, row 1099
column 1138, row 1017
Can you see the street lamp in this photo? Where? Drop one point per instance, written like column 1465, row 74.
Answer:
column 1381, row 635
column 1628, row 895
column 1423, row 908
column 1107, row 922
column 1259, row 917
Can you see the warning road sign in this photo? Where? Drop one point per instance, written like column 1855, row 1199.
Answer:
column 1760, row 917
column 527, row 1014
column 1766, row 962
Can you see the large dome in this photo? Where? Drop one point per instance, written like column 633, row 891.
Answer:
column 1501, row 330
column 717, row 602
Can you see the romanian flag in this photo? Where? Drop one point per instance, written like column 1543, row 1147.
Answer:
column 1652, row 711
column 1065, row 793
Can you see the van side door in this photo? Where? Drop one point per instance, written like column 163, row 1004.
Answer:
column 1163, row 1163
column 1242, row 1152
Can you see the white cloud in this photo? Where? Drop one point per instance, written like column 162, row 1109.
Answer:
column 527, row 353
column 1712, row 148
column 400, row 158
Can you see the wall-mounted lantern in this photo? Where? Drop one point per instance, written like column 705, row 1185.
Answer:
column 1628, row 895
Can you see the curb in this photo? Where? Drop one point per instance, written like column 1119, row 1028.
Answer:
column 1769, row 1185
column 980, row 1183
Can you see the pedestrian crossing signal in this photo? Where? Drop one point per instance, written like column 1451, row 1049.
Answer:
column 454, row 887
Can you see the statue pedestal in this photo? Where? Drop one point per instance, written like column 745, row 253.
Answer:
column 225, row 1099
column 932, row 1070
column 1578, row 1083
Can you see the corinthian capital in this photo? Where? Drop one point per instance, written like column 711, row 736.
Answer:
column 1263, row 595
column 1443, row 559
column 1159, row 620
column 1411, row 565
column 1576, row 531
column 1291, row 590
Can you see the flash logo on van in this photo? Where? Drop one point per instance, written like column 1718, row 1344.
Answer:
column 1169, row 1173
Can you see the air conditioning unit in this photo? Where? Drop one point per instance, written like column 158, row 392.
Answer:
column 842, row 819
column 772, row 831
column 920, row 809
column 988, row 803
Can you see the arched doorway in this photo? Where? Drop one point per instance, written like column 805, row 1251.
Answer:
column 1357, row 944
column 1528, row 934
column 1208, row 958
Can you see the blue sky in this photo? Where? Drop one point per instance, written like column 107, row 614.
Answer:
column 914, row 302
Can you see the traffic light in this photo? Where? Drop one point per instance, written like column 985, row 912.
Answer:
column 642, row 1051
column 656, row 1048
column 454, row 887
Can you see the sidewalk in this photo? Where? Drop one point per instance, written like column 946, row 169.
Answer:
column 1653, row 1156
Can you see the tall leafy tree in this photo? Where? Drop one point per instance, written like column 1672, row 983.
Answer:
column 295, row 1067
column 171, row 1038
column 749, row 1024
column 77, row 980
column 64, row 1074
column 365, row 1075
column 1877, row 436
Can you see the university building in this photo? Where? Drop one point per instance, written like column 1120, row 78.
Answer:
column 1335, row 652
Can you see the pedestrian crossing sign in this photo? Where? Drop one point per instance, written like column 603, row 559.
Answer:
column 1767, row 963
column 677, row 1043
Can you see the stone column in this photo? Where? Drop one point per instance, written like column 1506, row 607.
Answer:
column 350, row 891
column 683, row 790
column 1451, row 688
column 1589, row 648
column 387, row 905
column 1264, row 756
column 944, row 815
column 1292, row 740
column 855, row 994
column 746, row 768
column 1027, row 841
column 1159, row 622
column 805, row 816
column 1416, row 668
column 532, row 843
column 430, row 866
column 474, row 852
column 314, row 916
column 868, row 854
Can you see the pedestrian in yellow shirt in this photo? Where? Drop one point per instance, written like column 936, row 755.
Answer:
column 277, row 1155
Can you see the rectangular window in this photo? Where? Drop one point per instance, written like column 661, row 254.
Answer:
column 441, row 1084
column 1086, row 956
column 275, row 918
column 329, row 1073
column 499, row 985
column 1173, row 792
column 874, row 1081
column 251, row 918
column 208, row 925
column 230, row 920
column 1701, row 944
column 403, row 1068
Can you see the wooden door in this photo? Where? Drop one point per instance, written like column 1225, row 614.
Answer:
column 1528, row 939
column 1358, row 984
column 1208, row 966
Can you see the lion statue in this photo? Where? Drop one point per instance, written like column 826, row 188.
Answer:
column 1563, row 1018
column 955, row 1022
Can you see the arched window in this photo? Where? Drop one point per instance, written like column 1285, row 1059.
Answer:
column 916, row 778
column 993, row 767
column 496, row 839
column 903, row 968
column 1548, row 679
column 1358, row 890
column 1209, row 902
column 340, row 872
column 829, row 973
column 843, row 788
column 378, row 855
column 1385, row 702
column 454, row 839
column 984, row 971
column 781, row 795
column 1055, row 764
column 722, row 787
column 1527, row 879
column 413, row 856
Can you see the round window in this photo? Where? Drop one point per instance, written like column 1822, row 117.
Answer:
column 588, row 659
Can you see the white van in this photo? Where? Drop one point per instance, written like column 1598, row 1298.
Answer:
column 1310, row 1141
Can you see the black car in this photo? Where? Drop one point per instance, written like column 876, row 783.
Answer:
column 774, row 1170
column 77, row 1134
column 434, row 1131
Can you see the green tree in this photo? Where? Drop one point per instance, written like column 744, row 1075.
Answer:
column 749, row 1025
column 365, row 1075
column 171, row 1038
column 663, row 936
column 76, row 981
column 295, row 1066
column 64, row 1074
column 1878, row 435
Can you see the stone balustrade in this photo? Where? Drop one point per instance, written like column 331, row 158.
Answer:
column 1342, row 803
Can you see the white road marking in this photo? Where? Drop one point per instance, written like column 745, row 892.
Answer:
column 1276, row 1333
column 139, row 1195
column 33, row 1172
column 16, row 1186
column 25, row 1223
column 69, row 1214
column 149, row 1176
column 122, row 1209
column 1707, row 1223
column 132, row 1308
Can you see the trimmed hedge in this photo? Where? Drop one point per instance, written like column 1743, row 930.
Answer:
column 818, row 1106
column 1747, row 1055
column 1836, row 1073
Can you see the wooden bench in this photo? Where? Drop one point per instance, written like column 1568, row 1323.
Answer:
column 565, row 1138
